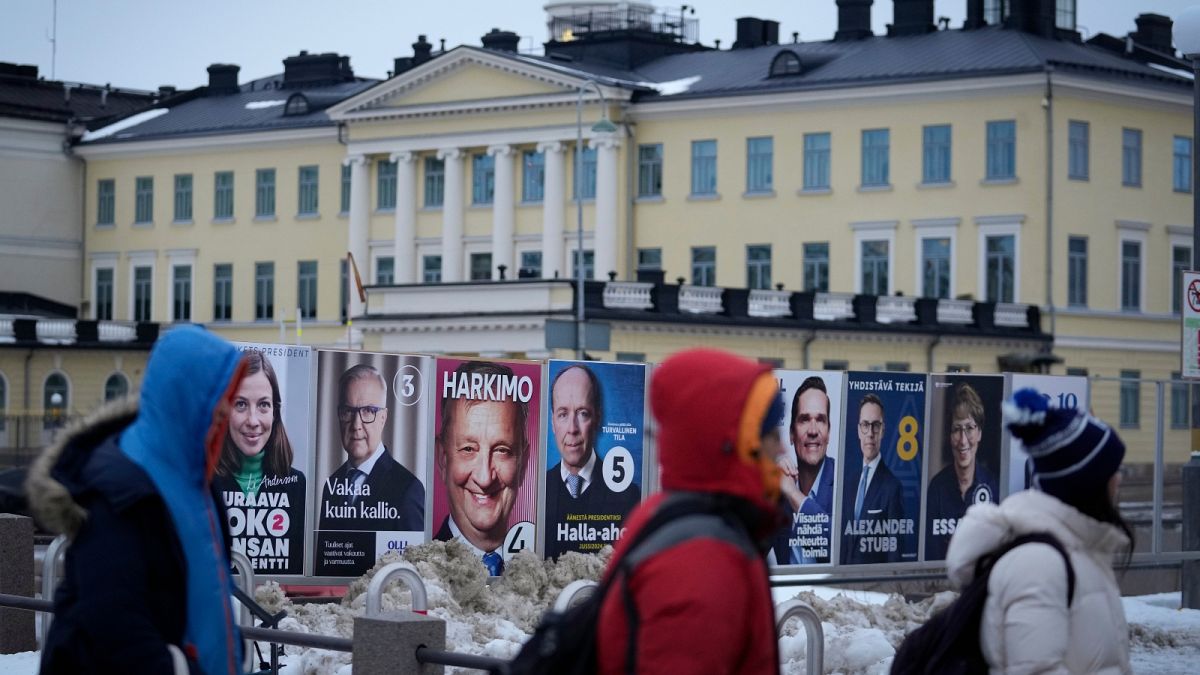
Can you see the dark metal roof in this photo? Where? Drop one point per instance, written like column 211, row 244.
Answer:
column 24, row 96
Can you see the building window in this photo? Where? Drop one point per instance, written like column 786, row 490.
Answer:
column 1001, row 150
column 223, row 195
column 875, row 267
column 533, row 179
column 1077, row 372
column 897, row 366
column 143, row 292
column 309, row 177
column 816, row 267
column 385, row 185
column 306, row 288
column 183, row 197
column 481, row 266
column 1131, row 157
column 115, row 387
column 995, row 11
column 55, row 400
column 589, row 263
column 1181, row 175
column 704, row 266
column 935, row 167
column 1001, row 254
column 1181, row 261
column 1064, row 14
column 104, row 293
column 1130, row 399
column 222, row 292
column 343, row 290
column 758, row 266
column 1077, row 270
column 264, row 291
column 835, row 364
column 531, row 265
column 935, row 267
column 760, row 154
column 816, row 161
column 435, row 182
column 1131, row 276
column 144, row 202
column 344, row 201
column 431, row 269
column 1180, row 403
column 1077, row 150
column 264, row 193
column 483, row 179
column 649, row 259
column 585, row 180
column 630, row 357
column 181, row 293
column 875, row 154
column 704, row 167
column 385, row 270
column 106, row 200
column 650, row 160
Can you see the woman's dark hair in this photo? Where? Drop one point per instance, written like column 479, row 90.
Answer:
column 277, row 453
column 1095, row 504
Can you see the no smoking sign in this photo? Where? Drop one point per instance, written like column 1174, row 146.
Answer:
column 1190, row 333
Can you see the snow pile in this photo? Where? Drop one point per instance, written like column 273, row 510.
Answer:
column 259, row 105
column 121, row 125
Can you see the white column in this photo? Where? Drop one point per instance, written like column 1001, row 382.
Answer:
column 452, row 215
column 404, row 253
column 554, row 197
column 360, row 215
column 502, row 211
column 605, row 228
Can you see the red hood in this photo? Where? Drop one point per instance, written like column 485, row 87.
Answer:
column 698, row 397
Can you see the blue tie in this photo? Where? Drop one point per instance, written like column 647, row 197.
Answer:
column 357, row 480
column 494, row 563
column 573, row 481
column 862, row 492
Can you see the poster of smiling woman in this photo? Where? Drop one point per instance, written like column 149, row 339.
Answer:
column 265, row 457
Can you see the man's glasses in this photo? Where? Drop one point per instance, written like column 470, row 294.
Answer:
column 963, row 429
column 365, row 413
column 870, row 427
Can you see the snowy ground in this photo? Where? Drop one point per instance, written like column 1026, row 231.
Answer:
column 861, row 629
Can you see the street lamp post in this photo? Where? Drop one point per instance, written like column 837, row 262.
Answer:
column 603, row 126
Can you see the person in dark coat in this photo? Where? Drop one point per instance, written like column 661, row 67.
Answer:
column 370, row 490
column 879, row 496
column 576, row 486
column 964, row 481
column 146, row 585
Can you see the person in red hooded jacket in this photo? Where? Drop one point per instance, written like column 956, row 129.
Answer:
column 702, row 598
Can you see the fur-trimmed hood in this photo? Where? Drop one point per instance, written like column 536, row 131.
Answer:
column 51, row 502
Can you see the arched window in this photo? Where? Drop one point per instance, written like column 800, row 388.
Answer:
column 785, row 62
column 297, row 104
column 116, row 386
column 55, row 401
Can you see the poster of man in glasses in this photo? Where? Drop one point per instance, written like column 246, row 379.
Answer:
column 372, row 457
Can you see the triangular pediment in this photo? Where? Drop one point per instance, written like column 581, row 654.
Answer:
column 466, row 79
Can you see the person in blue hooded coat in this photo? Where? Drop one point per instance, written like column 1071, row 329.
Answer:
column 146, row 585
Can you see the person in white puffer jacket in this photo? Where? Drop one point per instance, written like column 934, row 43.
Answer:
column 1027, row 626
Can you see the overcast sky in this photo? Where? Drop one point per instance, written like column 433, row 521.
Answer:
column 146, row 43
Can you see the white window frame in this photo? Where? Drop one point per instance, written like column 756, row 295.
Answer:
column 998, row 226
column 1178, row 236
column 101, row 261
column 382, row 249
column 526, row 247
column 1129, row 230
column 935, row 228
column 138, row 259
column 429, row 246
column 180, row 257
column 41, row 395
column 874, row 230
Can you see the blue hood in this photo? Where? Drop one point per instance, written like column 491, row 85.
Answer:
column 189, row 371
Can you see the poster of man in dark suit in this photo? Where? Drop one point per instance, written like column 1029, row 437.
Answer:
column 589, row 492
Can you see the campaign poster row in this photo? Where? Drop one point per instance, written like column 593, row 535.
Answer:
column 335, row 457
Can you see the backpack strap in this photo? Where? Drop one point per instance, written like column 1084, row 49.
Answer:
column 1034, row 538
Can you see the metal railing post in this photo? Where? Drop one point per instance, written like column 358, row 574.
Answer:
column 245, row 581
column 576, row 592
column 51, row 564
column 815, row 651
column 1156, row 532
column 405, row 573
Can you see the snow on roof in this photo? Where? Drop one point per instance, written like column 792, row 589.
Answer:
column 258, row 105
column 121, row 125
column 1181, row 72
column 672, row 87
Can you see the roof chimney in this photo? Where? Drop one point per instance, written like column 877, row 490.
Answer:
column 1154, row 32
column 974, row 15
column 912, row 17
column 854, row 19
column 223, row 79
column 23, row 71
column 754, row 32
column 314, row 70
column 501, row 40
column 1031, row 16
column 422, row 51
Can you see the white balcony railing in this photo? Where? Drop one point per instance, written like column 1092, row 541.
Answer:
column 56, row 331
column 768, row 303
column 1011, row 315
column 895, row 309
column 700, row 299
column 116, row 332
column 954, row 311
column 6, row 331
column 627, row 295
column 833, row 306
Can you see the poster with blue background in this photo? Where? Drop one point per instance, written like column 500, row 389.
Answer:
column 595, row 436
column 883, row 431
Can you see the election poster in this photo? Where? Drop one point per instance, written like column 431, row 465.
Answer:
column 811, row 432
column 1060, row 391
column 372, row 458
column 265, row 458
column 595, row 435
column 881, row 471
column 486, row 449
column 966, row 431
